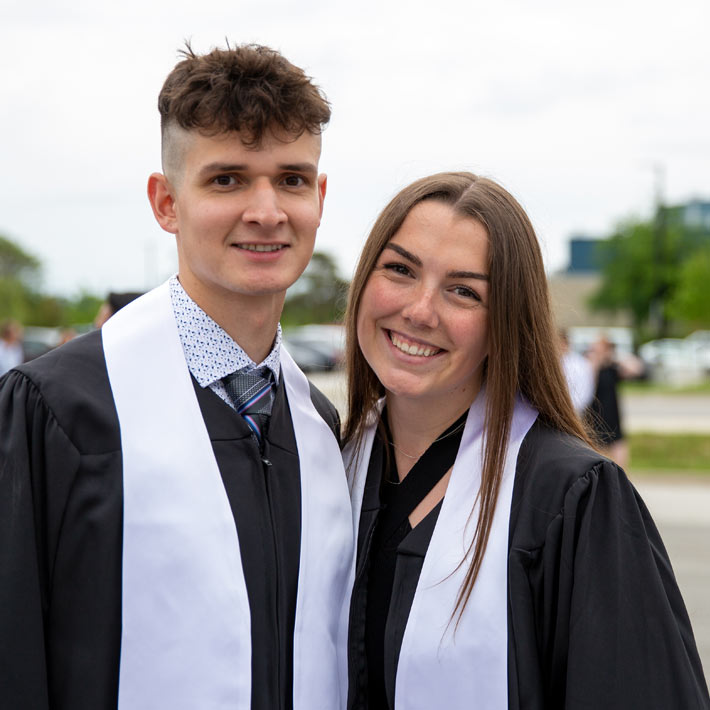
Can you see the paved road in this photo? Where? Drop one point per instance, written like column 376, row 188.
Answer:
column 665, row 413
column 682, row 513
column 680, row 507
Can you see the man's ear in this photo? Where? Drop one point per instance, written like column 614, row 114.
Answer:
column 322, row 187
column 162, row 200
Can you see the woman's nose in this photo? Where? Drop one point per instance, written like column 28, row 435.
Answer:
column 421, row 310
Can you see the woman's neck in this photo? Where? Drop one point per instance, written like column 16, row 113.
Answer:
column 414, row 426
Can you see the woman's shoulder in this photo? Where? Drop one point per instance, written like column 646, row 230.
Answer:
column 546, row 450
column 553, row 469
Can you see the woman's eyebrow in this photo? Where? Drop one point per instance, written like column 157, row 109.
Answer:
column 404, row 253
column 418, row 262
column 467, row 275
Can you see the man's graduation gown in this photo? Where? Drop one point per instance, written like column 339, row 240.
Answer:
column 593, row 618
column 61, row 517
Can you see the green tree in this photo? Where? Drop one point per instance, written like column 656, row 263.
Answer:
column 22, row 299
column 15, row 263
column 691, row 300
column 81, row 310
column 19, row 274
column 643, row 268
column 318, row 296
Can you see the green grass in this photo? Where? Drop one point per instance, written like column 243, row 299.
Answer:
column 670, row 453
column 646, row 387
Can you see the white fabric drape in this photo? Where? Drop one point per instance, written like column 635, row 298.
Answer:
column 186, row 640
column 442, row 664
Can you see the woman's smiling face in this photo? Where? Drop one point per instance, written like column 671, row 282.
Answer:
column 422, row 322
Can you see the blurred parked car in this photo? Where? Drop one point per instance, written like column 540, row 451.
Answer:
column 675, row 359
column 37, row 340
column 581, row 338
column 327, row 341
column 700, row 342
column 307, row 358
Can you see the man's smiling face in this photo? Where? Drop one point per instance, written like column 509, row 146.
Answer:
column 245, row 220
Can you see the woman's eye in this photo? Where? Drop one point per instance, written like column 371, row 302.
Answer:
column 397, row 269
column 466, row 292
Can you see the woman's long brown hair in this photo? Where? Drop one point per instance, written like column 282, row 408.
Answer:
column 523, row 353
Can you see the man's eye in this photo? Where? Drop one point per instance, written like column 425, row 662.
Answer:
column 294, row 181
column 225, row 180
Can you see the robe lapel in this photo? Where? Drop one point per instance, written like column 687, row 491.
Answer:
column 186, row 639
column 327, row 548
column 442, row 664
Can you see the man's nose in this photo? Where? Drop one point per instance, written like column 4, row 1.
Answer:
column 263, row 206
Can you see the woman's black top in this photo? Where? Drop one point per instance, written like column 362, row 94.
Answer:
column 386, row 582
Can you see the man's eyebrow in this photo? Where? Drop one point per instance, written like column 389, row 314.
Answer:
column 222, row 168
column 418, row 262
column 217, row 167
column 299, row 168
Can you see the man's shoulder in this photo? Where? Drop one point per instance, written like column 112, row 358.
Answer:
column 78, row 362
column 70, row 384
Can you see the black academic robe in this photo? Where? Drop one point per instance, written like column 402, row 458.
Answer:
column 61, row 501
column 595, row 617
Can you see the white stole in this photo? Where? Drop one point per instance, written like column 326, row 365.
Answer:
column 186, row 637
column 441, row 664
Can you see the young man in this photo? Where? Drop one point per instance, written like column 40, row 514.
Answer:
column 173, row 535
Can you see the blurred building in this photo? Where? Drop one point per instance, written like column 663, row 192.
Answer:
column 694, row 214
column 571, row 289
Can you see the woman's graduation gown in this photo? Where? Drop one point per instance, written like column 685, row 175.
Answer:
column 595, row 619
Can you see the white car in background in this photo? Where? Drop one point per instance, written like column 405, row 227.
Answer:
column 677, row 360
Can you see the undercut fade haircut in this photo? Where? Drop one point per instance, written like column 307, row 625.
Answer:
column 247, row 88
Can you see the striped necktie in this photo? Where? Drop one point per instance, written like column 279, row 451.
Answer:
column 252, row 394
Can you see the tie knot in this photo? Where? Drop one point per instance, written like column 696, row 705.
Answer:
column 251, row 393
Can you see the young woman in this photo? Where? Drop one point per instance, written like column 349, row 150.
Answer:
column 502, row 562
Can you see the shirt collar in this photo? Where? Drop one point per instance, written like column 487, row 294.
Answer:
column 210, row 352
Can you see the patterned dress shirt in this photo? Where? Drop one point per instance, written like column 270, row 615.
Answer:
column 210, row 353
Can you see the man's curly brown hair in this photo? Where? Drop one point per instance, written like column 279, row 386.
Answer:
column 247, row 88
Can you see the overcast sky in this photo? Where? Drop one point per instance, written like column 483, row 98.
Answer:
column 568, row 106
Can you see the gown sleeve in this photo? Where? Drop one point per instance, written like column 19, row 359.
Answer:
column 30, row 513
column 615, row 632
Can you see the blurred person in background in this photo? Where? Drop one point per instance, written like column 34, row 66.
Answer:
column 175, row 526
column 579, row 373
column 113, row 304
column 66, row 335
column 11, row 352
column 502, row 562
column 604, row 412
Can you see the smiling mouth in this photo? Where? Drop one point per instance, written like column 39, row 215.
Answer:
column 260, row 247
column 411, row 348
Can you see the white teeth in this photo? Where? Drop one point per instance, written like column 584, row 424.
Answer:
column 260, row 247
column 411, row 348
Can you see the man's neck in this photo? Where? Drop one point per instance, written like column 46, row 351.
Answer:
column 250, row 321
